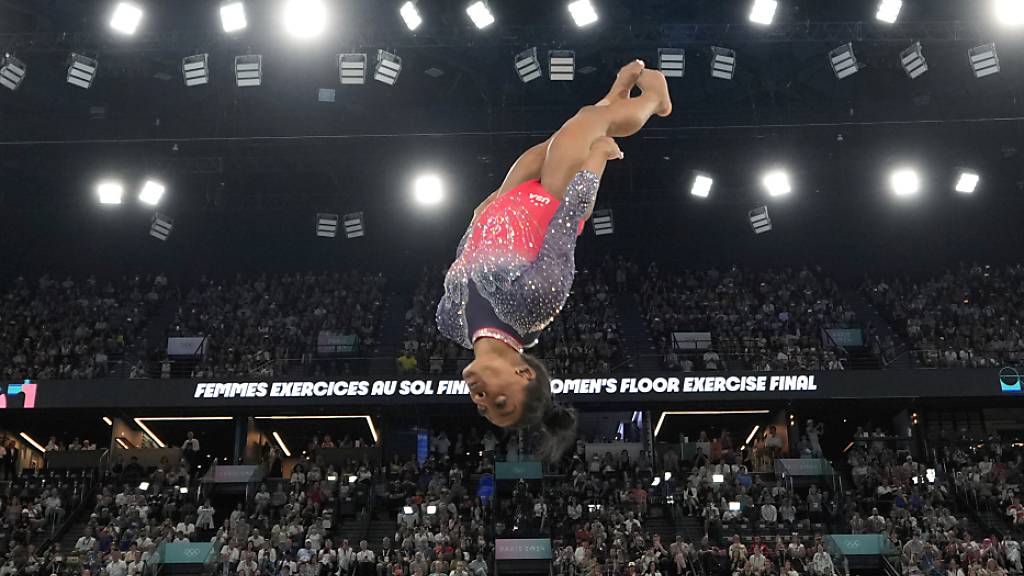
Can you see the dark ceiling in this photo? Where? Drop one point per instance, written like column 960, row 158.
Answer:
column 276, row 150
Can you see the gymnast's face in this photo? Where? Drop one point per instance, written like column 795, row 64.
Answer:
column 498, row 388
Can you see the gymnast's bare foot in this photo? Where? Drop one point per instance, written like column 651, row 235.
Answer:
column 624, row 82
column 653, row 82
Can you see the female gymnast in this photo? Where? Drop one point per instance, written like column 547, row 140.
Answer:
column 515, row 264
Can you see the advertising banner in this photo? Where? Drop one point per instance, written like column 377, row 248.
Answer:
column 522, row 549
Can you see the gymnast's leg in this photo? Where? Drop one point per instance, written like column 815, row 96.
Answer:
column 571, row 145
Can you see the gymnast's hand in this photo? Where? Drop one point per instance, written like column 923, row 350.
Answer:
column 607, row 149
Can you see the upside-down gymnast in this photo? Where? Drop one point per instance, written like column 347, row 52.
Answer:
column 515, row 264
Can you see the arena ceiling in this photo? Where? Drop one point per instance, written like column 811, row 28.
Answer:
column 276, row 148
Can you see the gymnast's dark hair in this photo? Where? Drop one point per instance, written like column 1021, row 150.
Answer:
column 556, row 422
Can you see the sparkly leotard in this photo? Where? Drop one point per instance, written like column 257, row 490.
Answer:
column 520, row 254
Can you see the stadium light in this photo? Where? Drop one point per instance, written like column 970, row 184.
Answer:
column 889, row 10
column 905, row 182
column 701, row 185
column 388, row 67
column 12, row 72
column 152, row 192
column 583, row 13
column 984, row 60
column 248, row 70
column 326, row 225
column 844, row 61
column 428, row 189
column 161, row 227
column 143, row 485
column 352, row 68
column 763, row 11
column 967, row 182
column 672, row 62
column 108, row 421
column 1010, row 12
column 82, row 70
column 562, row 65
column 232, row 16
column 411, row 15
column 305, row 19
column 152, row 435
column 528, row 65
column 759, row 220
column 777, row 183
column 603, row 222
column 110, row 192
column 913, row 62
column 195, row 70
column 723, row 63
column 126, row 18
column 480, row 14
column 751, row 435
column 355, row 228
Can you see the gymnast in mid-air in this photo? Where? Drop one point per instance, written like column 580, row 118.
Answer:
column 514, row 267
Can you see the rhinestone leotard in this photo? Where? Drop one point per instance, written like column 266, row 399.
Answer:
column 520, row 254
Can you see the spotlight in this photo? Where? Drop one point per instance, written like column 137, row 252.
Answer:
column 672, row 62
column 354, row 228
column 1010, row 12
column 196, row 70
column 528, row 66
column 389, row 66
column 763, row 11
column 759, row 220
column 717, row 478
column 843, row 60
column 232, row 16
column 82, row 70
column 143, row 486
column 305, row 19
column 431, row 509
column 889, row 10
column 604, row 223
column 561, row 65
column 905, row 182
column 411, row 15
column 126, row 18
column 984, row 60
column 12, row 72
column 723, row 63
column 151, row 192
column 777, row 183
column 352, row 68
column 428, row 190
column 913, row 62
column 110, row 192
column 967, row 182
column 583, row 13
column 248, row 70
column 701, row 185
column 407, row 510
column 326, row 225
column 480, row 14
column 325, row 95
column 161, row 227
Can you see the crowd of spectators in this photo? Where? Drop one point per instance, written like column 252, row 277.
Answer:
column 33, row 506
column 971, row 317
column 265, row 325
column 72, row 329
column 424, row 350
column 771, row 320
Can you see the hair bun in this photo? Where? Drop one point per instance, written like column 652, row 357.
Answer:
column 559, row 430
